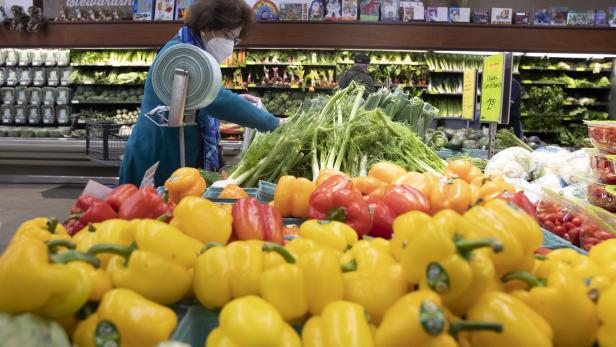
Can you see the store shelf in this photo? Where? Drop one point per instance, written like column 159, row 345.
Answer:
column 401, row 86
column 444, row 94
column 110, row 66
column 78, row 102
column 540, row 83
column 388, row 64
column 595, row 104
column 561, row 70
column 590, row 88
column 334, row 35
column 289, row 88
column 108, row 84
column 290, row 64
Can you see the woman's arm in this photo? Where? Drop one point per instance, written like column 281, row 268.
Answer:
column 232, row 108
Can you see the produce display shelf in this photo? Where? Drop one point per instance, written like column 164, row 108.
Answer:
column 401, row 86
column 386, row 64
column 456, row 94
column 287, row 88
column 594, row 104
column 108, row 84
column 110, row 65
column 541, row 131
column 540, row 83
column 562, row 70
column 591, row 88
column 87, row 102
column 290, row 64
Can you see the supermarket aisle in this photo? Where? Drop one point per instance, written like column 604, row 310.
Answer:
column 23, row 201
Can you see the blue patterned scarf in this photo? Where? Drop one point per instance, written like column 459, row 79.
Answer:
column 210, row 126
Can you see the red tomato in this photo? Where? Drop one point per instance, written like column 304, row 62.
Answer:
column 569, row 225
column 576, row 221
column 559, row 230
column 549, row 225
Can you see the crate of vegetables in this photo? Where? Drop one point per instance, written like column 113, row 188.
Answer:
column 582, row 224
column 603, row 135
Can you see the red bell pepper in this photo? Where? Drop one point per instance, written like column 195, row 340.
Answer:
column 521, row 200
column 82, row 203
column 253, row 220
column 382, row 218
column 402, row 199
column 145, row 204
column 121, row 193
column 97, row 211
column 335, row 199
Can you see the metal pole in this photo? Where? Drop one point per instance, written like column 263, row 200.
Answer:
column 492, row 138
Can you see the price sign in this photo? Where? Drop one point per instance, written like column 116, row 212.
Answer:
column 469, row 94
column 496, row 88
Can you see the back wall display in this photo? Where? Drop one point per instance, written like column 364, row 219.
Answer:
column 53, row 9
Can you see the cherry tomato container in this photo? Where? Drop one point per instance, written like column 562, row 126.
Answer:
column 603, row 135
column 603, row 165
column 602, row 195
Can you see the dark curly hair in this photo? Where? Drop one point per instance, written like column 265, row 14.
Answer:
column 220, row 15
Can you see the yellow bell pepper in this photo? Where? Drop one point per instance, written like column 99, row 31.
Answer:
column 584, row 268
column 604, row 255
column 606, row 335
column 292, row 196
column 418, row 319
column 463, row 169
column 369, row 253
column 33, row 280
column 375, row 287
column 298, row 247
column 283, row 286
column 224, row 273
column 115, row 231
column 404, row 226
column 185, row 182
column 140, row 321
column 490, row 187
column 166, row 240
column 522, row 326
column 42, row 228
column 251, row 321
column 341, row 324
column 100, row 280
column 322, row 278
column 452, row 194
column 331, row 234
column 203, row 220
column 157, row 265
column 386, row 172
column 519, row 233
column 233, row 191
column 84, row 334
column 558, row 295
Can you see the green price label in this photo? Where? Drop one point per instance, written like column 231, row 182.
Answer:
column 492, row 88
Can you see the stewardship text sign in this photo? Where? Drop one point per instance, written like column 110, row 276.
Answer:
column 469, row 94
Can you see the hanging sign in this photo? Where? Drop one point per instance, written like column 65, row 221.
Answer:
column 469, row 94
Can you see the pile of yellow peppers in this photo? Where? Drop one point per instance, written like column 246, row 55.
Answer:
column 448, row 279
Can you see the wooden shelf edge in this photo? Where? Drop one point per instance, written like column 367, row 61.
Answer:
column 355, row 35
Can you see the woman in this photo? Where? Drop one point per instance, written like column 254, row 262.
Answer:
column 215, row 26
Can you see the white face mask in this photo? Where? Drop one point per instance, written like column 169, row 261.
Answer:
column 220, row 48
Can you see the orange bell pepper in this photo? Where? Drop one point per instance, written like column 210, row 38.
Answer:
column 489, row 188
column 186, row 181
column 452, row 194
column 368, row 185
column 386, row 171
column 325, row 174
column 463, row 169
column 423, row 182
column 232, row 191
column 292, row 196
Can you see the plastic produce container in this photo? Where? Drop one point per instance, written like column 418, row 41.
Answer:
column 603, row 135
column 602, row 195
column 603, row 165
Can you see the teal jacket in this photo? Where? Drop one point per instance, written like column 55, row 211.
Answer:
column 149, row 143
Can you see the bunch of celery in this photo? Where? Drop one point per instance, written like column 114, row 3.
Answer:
column 341, row 132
